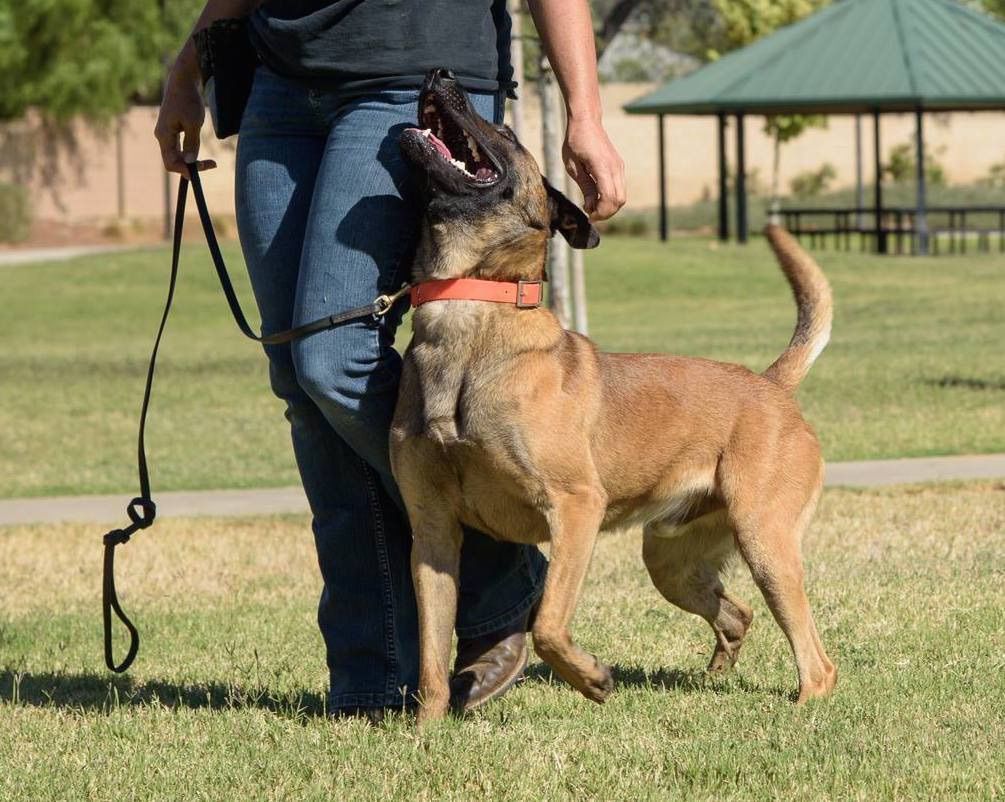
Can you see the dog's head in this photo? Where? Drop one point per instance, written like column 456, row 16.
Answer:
column 489, row 212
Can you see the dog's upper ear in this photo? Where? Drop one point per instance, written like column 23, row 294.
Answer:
column 569, row 220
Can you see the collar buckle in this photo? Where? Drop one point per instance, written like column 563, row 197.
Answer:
column 521, row 294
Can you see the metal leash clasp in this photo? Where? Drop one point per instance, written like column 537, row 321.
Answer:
column 383, row 304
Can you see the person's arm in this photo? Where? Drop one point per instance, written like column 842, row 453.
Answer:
column 182, row 110
column 566, row 31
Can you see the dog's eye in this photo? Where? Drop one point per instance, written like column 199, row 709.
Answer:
column 507, row 132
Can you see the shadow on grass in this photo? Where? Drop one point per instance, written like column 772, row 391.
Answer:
column 966, row 383
column 91, row 692
column 669, row 679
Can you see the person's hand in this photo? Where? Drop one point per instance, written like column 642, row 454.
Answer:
column 595, row 165
column 181, row 115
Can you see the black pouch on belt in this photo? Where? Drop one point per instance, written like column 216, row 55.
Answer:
column 227, row 61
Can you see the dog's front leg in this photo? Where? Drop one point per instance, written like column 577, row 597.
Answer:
column 574, row 522
column 436, row 555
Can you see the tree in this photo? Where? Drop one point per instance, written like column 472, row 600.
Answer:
column 79, row 57
column 784, row 128
column 745, row 21
column 995, row 7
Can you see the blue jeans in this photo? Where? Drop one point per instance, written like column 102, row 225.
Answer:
column 327, row 221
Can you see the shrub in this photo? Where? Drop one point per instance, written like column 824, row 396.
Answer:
column 902, row 166
column 813, row 182
column 995, row 179
column 628, row 224
column 15, row 213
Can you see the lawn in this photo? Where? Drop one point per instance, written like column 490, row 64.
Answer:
column 915, row 366
column 226, row 699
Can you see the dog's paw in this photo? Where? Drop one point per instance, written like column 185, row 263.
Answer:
column 599, row 683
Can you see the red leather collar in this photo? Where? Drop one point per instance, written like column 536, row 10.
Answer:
column 521, row 294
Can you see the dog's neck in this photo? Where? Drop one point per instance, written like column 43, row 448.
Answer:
column 448, row 251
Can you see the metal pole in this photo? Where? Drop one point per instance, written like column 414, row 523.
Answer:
column 878, row 199
column 663, row 178
column 723, row 183
column 859, row 182
column 921, row 216
column 741, row 181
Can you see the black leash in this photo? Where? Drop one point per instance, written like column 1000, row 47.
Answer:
column 141, row 510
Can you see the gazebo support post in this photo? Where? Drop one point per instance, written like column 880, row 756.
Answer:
column 859, row 182
column 921, row 215
column 663, row 178
column 878, row 201
column 741, row 181
column 723, row 183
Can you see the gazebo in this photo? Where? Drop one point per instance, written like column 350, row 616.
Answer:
column 853, row 57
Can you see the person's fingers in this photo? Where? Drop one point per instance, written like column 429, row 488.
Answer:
column 167, row 138
column 610, row 180
column 581, row 175
column 190, row 148
column 202, row 166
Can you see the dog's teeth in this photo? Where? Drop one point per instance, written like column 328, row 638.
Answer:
column 472, row 146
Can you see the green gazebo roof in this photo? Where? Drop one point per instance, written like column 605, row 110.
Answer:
column 853, row 56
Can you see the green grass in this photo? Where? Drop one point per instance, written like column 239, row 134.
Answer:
column 914, row 368
column 226, row 699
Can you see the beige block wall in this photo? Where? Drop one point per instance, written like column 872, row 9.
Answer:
column 968, row 145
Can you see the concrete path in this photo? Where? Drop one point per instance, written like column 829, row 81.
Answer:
column 270, row 501
column 26, row 256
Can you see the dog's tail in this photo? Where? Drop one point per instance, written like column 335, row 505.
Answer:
column 815, row 309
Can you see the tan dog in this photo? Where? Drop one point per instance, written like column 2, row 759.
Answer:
column 509, row 424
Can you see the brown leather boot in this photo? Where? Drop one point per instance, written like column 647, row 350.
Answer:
column 488, row 666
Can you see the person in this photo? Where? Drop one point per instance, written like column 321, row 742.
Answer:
column 327, row 221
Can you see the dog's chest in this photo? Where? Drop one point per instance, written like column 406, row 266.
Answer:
column 445, row 355
column 478, row 441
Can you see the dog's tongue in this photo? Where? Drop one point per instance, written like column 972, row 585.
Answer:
column 484, row 173
column 440, row 146
column 436, row 142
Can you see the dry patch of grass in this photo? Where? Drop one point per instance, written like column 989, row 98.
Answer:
column 226, row 700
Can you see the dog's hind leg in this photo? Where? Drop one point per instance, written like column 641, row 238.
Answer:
column 685, row 565
column 770, row 544
column 574, row 521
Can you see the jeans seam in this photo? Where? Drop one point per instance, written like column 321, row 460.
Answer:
column 387, row 592
column 355, row 701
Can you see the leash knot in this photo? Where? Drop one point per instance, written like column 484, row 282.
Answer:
column 141, row 512
column 117, row 537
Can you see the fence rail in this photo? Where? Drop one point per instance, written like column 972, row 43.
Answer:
column 954, row 228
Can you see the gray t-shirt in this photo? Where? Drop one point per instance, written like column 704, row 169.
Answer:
column 359, row 45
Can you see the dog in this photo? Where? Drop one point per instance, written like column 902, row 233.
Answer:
column 510, row 424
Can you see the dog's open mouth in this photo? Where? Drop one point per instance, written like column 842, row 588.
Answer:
column 443, row 138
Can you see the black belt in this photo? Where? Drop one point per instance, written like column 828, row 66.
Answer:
column 141, row 510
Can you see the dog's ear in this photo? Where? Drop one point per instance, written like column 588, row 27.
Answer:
column 569, row 220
